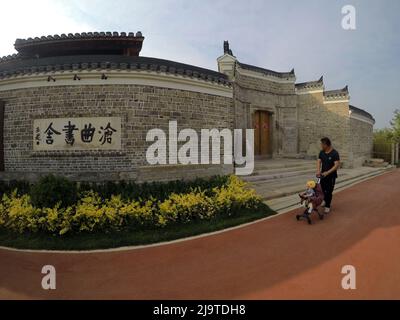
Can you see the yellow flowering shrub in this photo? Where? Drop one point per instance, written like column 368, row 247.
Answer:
column 186, row 207
column 92, row 213
column 234, row 196
column 133, row 211
column 56, row 220
column 18, row 213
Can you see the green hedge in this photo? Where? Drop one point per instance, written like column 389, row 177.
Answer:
column 50, row 190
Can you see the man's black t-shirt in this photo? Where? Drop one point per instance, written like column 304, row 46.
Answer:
column 328, row 161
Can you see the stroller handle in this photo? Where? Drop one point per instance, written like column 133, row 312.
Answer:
column 319, row 178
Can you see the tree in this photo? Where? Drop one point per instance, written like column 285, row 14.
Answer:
column 383, row 136
column 383, row 139
column 395, row 123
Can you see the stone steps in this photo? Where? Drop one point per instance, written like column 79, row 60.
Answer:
column 279, row 169
column 294, row 182
column 279, row 175
column 279, row 178
column 260, row 172
column 284, row 182
column 281, row 164
column 282, row 187
column 273, row 177
column 287, row 199
column 376, row 163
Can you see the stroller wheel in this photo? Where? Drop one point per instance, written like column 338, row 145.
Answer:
column 309, row 220
column 321, row 216
column 297, row 217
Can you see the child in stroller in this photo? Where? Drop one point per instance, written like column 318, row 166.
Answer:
column 311, row 198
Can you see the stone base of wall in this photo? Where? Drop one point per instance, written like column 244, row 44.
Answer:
column 355, row 161
column 358, row 162
column 142, row 174
column 181, row 172
column 77, row 176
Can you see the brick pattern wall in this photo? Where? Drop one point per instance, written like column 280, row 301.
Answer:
column 141, row 108
column 264, row 85
column 317, row 120
column 361, row 141
column 253, row 94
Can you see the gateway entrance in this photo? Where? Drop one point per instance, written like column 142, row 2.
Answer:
column 262, row 133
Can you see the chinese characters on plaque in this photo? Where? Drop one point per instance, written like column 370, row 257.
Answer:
column 100, row 133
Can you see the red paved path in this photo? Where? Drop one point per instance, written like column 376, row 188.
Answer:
column 276, row 258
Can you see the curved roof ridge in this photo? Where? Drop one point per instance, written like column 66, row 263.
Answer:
column 81, row 43
column 10, row 57
column 82, row 35
column 108, row 62
column 342, row 91
column 266, row 71
column 311, row 84
column 361, row 112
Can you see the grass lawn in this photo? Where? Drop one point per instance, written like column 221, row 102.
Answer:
column 128, row 237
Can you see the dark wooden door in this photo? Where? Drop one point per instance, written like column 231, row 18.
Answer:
column 262, row 133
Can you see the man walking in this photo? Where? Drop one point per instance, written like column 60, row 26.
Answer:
column 327, row 165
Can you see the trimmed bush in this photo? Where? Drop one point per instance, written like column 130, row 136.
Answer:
column 158, row 190
column 127, row 190
column 21, row 187
column 51, row 191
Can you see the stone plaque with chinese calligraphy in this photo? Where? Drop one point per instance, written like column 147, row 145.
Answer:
column 99, row 133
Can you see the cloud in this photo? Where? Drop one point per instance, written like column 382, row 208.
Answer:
column 23, row 19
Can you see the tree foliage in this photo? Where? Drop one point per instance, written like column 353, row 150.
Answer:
column 395, row 123
column 389, row 135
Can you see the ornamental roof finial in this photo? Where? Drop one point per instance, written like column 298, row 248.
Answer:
column 227, row 50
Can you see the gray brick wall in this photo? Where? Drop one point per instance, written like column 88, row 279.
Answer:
column 141, row 108
column 361, row 141
column 317, row 120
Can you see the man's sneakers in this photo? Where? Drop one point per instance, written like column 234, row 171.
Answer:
column 327, row 210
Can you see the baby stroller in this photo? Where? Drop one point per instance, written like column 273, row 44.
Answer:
column 316, row 201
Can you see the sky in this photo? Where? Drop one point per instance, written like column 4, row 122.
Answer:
column 306, row 35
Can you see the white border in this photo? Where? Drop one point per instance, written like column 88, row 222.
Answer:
column 260, row 75
column 336, row 101
column 115, row 77
column 301, row 91
column 361, row 118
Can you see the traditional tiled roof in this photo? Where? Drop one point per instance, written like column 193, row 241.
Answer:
column 9, row 57
column 87, row 51
column 18, row 66
column 81, row 43
column 319, row 84
column 84, row 35
column 20, row 43
column 337, row 94
column 267, row 71
column 361, row 112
